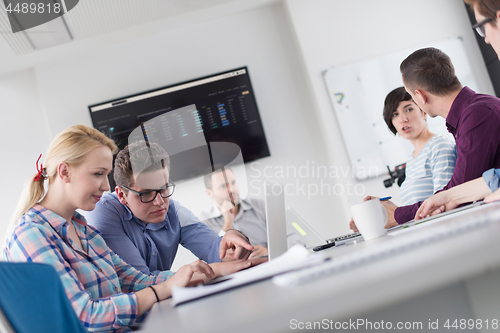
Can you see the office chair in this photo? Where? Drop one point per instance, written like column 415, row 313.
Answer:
column 32, row 299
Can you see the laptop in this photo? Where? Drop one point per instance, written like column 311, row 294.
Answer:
column 304, row 231
column 276, row 219
column 277, row 215
column 311, row 238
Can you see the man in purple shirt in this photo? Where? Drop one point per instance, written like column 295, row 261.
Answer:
column 473, row 119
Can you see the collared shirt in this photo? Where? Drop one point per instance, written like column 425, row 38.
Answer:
column 98, row 283
column 492, row 179
column 430, row 171
column 474, row 121
column 151, row 248
column 251, row 219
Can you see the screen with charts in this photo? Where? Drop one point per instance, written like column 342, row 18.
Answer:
column 220, row 107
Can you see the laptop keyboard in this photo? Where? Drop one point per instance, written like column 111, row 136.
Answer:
column 343, row 238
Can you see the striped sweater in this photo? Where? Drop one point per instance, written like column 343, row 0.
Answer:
column 429, row 172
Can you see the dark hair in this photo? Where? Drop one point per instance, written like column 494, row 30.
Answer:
column 138, row 157
column 391, row 103
column 431, row 70
column 208, row 174
column 487, row 8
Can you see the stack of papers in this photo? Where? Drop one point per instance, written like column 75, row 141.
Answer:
column 297, row 257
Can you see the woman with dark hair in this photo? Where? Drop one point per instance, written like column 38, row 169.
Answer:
column 430, row 166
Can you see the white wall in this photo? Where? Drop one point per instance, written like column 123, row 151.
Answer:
column 24, row 136
column 335, row 32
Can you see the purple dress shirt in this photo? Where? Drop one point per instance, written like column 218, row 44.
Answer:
column 474, row 121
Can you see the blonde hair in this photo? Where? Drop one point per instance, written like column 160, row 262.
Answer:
column 70, row 146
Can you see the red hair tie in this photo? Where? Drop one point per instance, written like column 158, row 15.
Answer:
column 41, row 172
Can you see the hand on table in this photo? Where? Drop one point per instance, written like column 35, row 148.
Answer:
column 495, row 196
column 198, row 269
column 258, row 251
column 230, row 267
column 434, row 205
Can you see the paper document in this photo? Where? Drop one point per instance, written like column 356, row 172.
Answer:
column 296, row 257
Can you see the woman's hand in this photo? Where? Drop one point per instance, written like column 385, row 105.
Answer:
column 229, row 267
column 435, row 204
column 389, row 206
column 184, row 277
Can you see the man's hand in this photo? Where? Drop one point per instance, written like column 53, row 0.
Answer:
column 234, row 240
column 228, row 213
column 495, row 196
column 389, row 206
column 436, row 204
column 258, row 251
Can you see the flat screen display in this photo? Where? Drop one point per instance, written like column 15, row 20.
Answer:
column 225, row 111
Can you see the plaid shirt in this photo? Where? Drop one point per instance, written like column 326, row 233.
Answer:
column 99, row 284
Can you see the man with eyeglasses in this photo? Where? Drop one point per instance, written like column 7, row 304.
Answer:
column 487, row 13
column 144, row 226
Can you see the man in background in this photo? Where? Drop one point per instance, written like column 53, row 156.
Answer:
column 228, row 212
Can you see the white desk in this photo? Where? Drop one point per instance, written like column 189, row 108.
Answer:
column 424, row 281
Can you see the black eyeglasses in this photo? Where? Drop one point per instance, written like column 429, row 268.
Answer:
column 480, row 26
column 148, row 196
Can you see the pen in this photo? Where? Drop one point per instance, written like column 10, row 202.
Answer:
column 385, row 198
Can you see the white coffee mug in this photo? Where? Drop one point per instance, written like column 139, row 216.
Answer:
column 370, row 218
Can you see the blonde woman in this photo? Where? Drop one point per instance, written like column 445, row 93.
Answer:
column 105, row 292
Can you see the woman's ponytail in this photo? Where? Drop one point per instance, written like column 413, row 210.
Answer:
column 33, row 192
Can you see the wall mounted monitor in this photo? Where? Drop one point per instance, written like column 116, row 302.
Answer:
column 226, row 111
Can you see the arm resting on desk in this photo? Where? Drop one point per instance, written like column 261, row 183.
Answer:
column 443, row 201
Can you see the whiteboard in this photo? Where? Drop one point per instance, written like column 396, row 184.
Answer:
column 357, row 92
